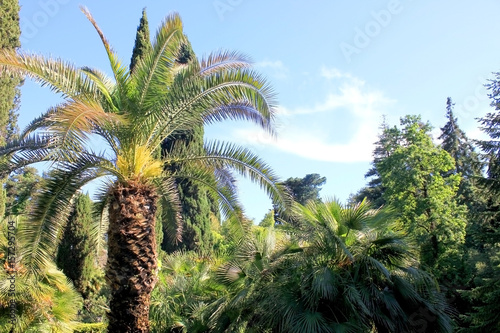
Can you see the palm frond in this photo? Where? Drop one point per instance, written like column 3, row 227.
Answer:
column 228, row 156
column 120, row 71
column 171, row 208
column 225, row 60
column 52, row 206
column 60, row 76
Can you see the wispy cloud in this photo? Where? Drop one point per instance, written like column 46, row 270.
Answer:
column 352, row 98
column 277, row 68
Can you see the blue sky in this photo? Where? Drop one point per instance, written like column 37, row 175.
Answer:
column 337, row 67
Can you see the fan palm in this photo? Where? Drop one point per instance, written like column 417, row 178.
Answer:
column 357, row 273
column 346, row 269
column 132, row 113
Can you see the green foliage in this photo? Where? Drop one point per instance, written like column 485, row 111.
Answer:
column 45, row 300
column 9, row 93
column 305, row 189
column 385, row 145
column 485, row 249
column 20, row 188
column 339, row 269
column 418, row 184
column 76, row 256
column 142, row 44
column 183, row 293
column 268, row 220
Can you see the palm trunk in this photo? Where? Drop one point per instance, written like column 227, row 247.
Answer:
column 132, row 258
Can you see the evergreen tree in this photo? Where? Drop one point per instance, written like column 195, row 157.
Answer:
column 76, row 256
column 142, row 41
column 413, row 176
column 374, row 191
column 486, row 291
column 20, row 188
column 456, row 143
column 305, row 189
column 198, row 208
column 9, row 91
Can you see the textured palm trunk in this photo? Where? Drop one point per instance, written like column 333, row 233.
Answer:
column 132, row 258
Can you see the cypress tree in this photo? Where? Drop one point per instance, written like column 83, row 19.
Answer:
column 198, row 208
column 75, row 255
column 9, row 91
column 142, row 41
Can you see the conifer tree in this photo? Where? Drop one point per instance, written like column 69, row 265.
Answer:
column 305, row 189
column 458, row 145
column 142, row 40
column 374, row 191
column 75, row 255
column 486, row 291
column 9, row 91
column 9, row 85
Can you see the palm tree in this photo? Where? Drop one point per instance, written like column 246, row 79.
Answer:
column 357, row 273
column 345, row 269
column 132, row 113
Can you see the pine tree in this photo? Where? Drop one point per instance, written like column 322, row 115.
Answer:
column 142, row 40
column 305, row 189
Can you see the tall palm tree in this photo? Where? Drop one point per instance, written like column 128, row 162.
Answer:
column 132, row 113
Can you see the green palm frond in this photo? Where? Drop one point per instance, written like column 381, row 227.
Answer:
column 224, row 60
column 171, row 208
column 52, row 207
column 120, row 72
column 60, row 76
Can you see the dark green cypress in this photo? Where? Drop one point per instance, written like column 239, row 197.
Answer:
column 9, row 85
column 142, row 41
column 9, row 91
column 75, row 255
column 198, row 209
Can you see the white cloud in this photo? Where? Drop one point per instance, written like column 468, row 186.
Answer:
column 277, row 68
column 364, row 106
